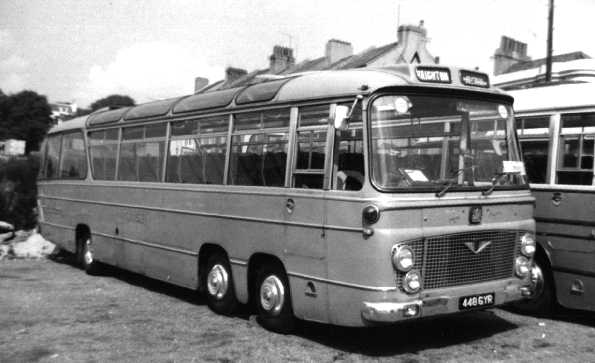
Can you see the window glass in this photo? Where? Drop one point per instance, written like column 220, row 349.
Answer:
column 259, row 148
column 350, row 159
column 142, row 160
column 197, row 160
column 156, row 130
column 188, row 127
column 52, row 157
column 247, row 121
column 313, row 115
column 73, row 163
column 150, row 160
column 535, row 155
column 133, row 133
column 311, row 149
column 103, row 149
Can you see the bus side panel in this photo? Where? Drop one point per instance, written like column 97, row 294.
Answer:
column 568, row 297
column 566, row 229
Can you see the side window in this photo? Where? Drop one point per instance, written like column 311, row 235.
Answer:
column 575, row 162
column 103, row 148
column 349, row 154
column 52, row 156
column 142, row 152
column 259, row 148
column 73, row 160
column 310, row 148
column 197, row 151
column 533, row 134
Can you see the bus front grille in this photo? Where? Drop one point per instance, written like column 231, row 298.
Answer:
column 465, row 258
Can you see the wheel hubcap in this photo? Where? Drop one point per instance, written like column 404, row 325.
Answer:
column 272, row 294
column 537, row 281
column 217, row 281
column 88, row 254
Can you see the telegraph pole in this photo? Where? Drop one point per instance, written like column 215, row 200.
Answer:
column 550, row 35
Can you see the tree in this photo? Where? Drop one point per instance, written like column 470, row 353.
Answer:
column 112, row 101
column 25, row 116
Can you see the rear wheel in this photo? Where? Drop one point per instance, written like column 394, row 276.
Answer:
column 219, row 285
column 88, row 262
column 273, row 299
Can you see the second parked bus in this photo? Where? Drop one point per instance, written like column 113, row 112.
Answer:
column 556, row 126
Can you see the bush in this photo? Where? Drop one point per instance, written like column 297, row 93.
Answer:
column 18, row 191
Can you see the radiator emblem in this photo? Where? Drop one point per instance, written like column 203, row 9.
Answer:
column 477, row 246
column 475, row 214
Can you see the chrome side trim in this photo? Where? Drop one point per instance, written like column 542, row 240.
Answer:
column 130, row 240
column 341, row 283
column 234, row 261
column 516, row 196
column 206, row 214
column 323, row 280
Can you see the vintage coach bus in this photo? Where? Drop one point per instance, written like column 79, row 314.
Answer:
column 556, row 127
column 346, row 197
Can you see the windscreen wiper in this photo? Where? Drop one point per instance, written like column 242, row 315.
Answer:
column 451, row 181
column 495, row 180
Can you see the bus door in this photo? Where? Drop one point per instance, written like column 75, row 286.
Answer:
column 305, row 211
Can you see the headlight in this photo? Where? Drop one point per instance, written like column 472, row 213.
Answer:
column 412, row 282
column 522, row 267
column 528, row 245
column 403, row 258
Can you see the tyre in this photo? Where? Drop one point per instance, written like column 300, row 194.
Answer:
column 87, row 256
column 273, row 299
column 219, row 286
column 542, row 301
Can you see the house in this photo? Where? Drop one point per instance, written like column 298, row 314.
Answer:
column 514, row 69
column 409, row 47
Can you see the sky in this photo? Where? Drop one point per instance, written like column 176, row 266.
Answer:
column 83, row 50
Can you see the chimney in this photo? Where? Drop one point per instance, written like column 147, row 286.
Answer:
column 281, row 59
column 200, row 83
column 511, row 51
column 412, row 34
column 233, row 74
column 336, row 50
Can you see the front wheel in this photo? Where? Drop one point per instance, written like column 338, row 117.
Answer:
column 542, row 300
column 219, row 285
column 274, row 300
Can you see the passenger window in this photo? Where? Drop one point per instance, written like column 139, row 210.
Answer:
column 349, row 154
column 73, row 161
column 575, row 163
column 141, row 153
column 259, row 148
column 197, row 151
column 103, row 148
column 311, row 147
column 53, row 156
column 533, row 134
column 535, row 156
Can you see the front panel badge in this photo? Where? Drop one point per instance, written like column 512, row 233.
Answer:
column 475, row 214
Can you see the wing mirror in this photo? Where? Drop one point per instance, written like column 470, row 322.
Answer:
column 343, row 114
column 341, row 117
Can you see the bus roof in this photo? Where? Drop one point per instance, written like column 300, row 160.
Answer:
column 297, row 87
column 560, row 97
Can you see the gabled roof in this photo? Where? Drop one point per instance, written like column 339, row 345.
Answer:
column 362, row 59
column 540, row 62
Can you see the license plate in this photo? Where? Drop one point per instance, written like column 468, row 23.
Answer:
column 476, row 301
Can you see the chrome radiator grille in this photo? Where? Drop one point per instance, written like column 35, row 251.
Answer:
column 450, row 262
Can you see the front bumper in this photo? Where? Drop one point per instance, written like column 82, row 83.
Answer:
column 444, row 301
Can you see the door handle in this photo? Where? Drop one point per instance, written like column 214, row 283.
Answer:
column 289, row 205
column 557, row 198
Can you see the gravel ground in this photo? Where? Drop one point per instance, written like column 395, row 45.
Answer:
column 52, row 312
